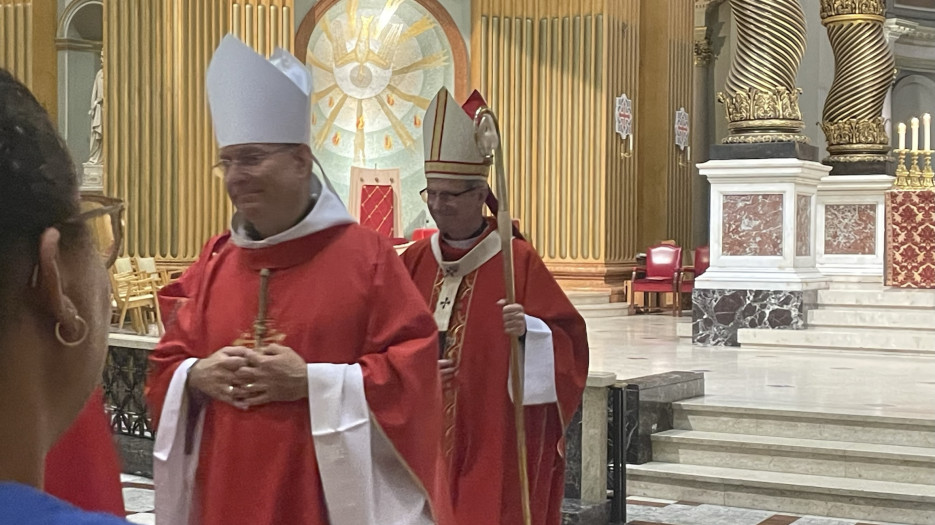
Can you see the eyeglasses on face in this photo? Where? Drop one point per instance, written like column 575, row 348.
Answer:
column 444, row 196
column 247, row 162
column 104, row 217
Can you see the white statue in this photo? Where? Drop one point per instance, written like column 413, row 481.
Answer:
column 97, row 116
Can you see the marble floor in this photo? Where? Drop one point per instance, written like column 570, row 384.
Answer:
column 812, row 380
column 823, row 381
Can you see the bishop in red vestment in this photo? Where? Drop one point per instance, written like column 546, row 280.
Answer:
column 459, row 272
column 333, row 418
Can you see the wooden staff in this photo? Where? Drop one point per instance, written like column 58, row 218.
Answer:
column 259, row 325
column 487, row 135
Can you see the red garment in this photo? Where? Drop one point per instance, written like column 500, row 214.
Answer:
column 82, row 468
column 337, row 296
column 480, row 429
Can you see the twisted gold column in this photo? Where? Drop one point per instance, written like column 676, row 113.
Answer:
column 863, row 70
column 761, row 98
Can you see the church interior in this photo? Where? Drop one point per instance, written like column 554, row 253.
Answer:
column 737, row 195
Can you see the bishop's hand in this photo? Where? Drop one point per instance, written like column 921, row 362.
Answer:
column 276, row 374
column 215, row 375
column 447, row 369
column 514, row 318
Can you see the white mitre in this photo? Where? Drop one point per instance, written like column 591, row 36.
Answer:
column 448, row 138
column 254, row 100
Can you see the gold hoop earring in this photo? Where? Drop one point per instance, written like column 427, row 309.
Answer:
column 71, row 344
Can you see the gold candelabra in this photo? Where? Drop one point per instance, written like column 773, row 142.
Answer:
column 914, row 169
column 914, row 164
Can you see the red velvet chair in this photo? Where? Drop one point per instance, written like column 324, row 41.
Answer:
column 701, row 262
column 660, row 275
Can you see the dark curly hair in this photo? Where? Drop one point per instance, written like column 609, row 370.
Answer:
column 38, row 184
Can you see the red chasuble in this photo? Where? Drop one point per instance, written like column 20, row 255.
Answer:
column 82, row 468
column 341, row 296
column 480, row 441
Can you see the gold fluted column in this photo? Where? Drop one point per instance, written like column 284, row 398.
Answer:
column 551, row 71
column 158, row 140
column 761, row 98
column 863, row 71
column 664, row 177
column 27, row 47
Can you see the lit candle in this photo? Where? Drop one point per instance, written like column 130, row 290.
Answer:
column 902, row 135
column 927, row 123
column 914, row 123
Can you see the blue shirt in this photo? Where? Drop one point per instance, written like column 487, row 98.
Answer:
column 24, row 505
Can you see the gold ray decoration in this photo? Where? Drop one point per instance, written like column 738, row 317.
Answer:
column 360, row 154
column 351, row 18
column 332, row 116
column 422, row 25
column 314, row 61
column 318, row 95
column 420, row 102
column 398, row 126
column 434, row 60
column 388, row 11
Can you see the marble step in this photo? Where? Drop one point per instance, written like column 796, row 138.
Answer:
column 853, row 428
column 857, row 283
column 888, row 298
column 890, row 319
column 796, row 455
column 580, row 298
column 600, row 311
column 857, row 499
column 880, row 340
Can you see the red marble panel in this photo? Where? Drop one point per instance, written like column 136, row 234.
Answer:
column 803, row 221
column 850, row 229
column 910, row 238
column 752, row 224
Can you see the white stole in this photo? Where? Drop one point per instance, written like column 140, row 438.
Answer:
column 365, row 480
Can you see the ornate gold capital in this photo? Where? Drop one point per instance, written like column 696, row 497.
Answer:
column 753, row 104
column 831, row 8
column 855, row 132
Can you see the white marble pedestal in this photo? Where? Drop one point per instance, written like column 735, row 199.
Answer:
column 763, row 270
column 92, row 179
column 851, row 225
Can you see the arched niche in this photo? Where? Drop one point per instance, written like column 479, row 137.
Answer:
column 913, row 95
column 369, row 100
column 79, row 40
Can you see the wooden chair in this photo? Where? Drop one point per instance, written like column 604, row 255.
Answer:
column 123, row 265
column 147, row 266
column 135, row 293
column 659, row 275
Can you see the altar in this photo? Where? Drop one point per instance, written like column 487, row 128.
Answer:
column 910, row 238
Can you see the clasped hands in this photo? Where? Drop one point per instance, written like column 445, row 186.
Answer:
column 245, row 378
column 514, row 324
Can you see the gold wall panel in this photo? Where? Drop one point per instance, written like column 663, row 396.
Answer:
column 551, row 71
column 27, row 47
column 158, row 140
column 665, row 171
